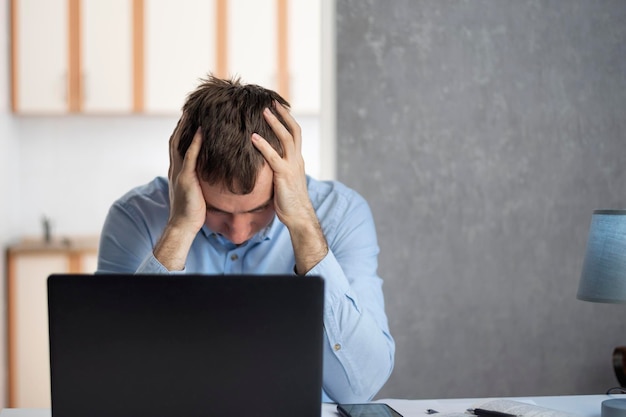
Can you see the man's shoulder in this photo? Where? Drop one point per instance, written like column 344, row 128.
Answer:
column 153, row 193
column 334, row 193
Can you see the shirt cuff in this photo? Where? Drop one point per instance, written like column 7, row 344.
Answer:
column 151, row 265
column 336, row 284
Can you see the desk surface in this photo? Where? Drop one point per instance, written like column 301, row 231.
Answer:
column 582, row 405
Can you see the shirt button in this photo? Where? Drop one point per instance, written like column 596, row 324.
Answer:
column 234, row 257
column 337, row 347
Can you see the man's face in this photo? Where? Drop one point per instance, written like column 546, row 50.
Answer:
column 239, row 217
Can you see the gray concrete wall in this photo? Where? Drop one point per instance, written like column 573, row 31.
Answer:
column 483, row 133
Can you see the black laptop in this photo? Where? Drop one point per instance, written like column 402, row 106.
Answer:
column 185, row 346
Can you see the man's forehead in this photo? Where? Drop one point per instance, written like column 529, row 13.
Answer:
column 218, row 196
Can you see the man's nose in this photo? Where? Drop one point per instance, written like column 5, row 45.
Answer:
column 239, row 228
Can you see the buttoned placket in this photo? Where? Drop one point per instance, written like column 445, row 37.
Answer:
column 234, row 255
column 233, row 264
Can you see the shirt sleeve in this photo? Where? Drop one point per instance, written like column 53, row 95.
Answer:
column 126, row 244
column 358, row 347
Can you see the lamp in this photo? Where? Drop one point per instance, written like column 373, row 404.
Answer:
column 603, row 278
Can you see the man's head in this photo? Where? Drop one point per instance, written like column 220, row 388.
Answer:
column 235, row 179
column 228, row 112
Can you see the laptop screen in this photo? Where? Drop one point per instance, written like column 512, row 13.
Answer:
column 133, row 345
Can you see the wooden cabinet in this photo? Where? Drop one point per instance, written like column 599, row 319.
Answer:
column 254, row 47
column 180, row 46
column 40, row 74
column 71, row 56
column 106, row 53
column 145, row 56
column 29, row 264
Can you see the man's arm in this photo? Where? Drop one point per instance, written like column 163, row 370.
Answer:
column 127, row 242
column 359, row 350
column 291, row 198
column 187, row 205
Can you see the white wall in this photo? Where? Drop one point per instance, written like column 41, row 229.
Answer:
column 71, row 168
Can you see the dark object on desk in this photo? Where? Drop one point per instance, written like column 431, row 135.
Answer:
column 367, row 410
column 488, row 413
column 619, row 364
column 160, row 346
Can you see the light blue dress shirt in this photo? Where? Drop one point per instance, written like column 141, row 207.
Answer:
column 358, row 348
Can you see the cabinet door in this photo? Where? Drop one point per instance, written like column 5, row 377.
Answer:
column 40, row 57
column 252, row 41
column 305, row 56
column 28, row 316
column 179, row 50
column 106, row 56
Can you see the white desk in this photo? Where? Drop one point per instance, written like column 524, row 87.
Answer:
column 582, row 405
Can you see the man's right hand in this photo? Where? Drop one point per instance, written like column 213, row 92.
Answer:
column 187, row 205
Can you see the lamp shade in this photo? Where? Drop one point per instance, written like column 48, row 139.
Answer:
column 603, row 278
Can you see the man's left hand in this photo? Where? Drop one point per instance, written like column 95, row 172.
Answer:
column 291, row 197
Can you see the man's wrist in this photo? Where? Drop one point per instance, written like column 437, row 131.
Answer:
column 309, row 245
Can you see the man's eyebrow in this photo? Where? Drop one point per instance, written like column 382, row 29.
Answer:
column 212, row 208
column 262, row 206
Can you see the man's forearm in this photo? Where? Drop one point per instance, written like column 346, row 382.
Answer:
column 173, row 247
column 309, row 243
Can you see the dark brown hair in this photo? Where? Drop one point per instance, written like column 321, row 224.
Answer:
column 228, row 112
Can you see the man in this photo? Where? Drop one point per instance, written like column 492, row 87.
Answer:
column 237, row 201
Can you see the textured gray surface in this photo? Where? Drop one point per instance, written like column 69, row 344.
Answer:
column 483, row 133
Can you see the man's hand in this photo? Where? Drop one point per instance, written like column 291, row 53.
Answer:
column 187, row 205
column 291, row 197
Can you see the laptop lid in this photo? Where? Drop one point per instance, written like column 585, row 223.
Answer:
column 157, row 346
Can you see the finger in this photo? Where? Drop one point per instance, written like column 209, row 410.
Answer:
column 286, row 139
column 175, row 136
column 291, row 124
column 175, row 160
column 269, row 153
column 191, row 156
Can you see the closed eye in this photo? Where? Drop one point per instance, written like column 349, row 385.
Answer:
column 260, row 209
